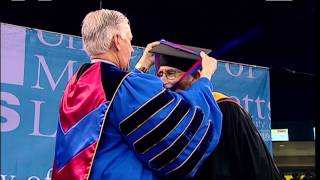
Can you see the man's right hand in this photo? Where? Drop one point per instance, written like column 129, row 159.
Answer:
column 147, row 59
column 209, row 65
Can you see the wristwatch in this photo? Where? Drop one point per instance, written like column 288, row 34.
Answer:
column 142, row 68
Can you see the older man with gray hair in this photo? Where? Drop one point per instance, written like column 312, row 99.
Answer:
column 116, row 124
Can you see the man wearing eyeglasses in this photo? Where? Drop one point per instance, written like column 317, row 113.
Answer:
column 241, row 152
column 170, row 75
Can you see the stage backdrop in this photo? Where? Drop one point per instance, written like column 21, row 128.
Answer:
column 35, row 68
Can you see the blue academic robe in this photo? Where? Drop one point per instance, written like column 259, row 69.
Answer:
column 150, row 132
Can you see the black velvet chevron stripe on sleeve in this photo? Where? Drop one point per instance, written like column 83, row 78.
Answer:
column 171, row 153
column 143, row 114
column 164, row 129
column 196, row 156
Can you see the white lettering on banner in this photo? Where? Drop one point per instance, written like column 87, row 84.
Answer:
column 258, row 101
column 41, row 38
column 4, row 177
column 13, row 177
column 36, row 125
column 48, row 177
column 250, row 73
column 246, row 100
column 13, row 117
column 240, row 71
column 61, row 37
column 227, row 65
column 265, row 136
column 261, row 124
column 33, row 178
column 45, row 67
column 258, row 108
column 70, row 43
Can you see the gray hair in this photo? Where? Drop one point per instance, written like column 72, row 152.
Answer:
column 98, row 29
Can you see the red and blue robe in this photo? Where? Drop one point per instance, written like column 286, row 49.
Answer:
column 126, row 125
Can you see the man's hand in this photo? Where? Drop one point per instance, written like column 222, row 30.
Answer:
column 209, row 65
column 147, row 59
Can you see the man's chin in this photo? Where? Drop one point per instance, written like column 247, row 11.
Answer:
column 177, row 89
column 168, row 86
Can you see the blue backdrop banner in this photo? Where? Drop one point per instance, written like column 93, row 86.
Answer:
column 35, row 68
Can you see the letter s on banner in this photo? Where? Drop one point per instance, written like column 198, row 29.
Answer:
column 13, row 117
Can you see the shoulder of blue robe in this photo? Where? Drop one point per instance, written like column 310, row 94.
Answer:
column 82, row 115
column 171, row 133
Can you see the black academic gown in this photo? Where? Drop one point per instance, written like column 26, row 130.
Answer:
column 241, row 152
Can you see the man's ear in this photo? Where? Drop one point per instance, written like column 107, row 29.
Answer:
column 116, row 41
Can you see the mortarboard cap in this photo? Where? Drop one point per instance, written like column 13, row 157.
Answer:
column 182, row 57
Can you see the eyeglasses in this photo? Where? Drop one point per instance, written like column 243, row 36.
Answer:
column 170, row 74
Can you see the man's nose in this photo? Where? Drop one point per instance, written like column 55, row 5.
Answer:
column 164, row 78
